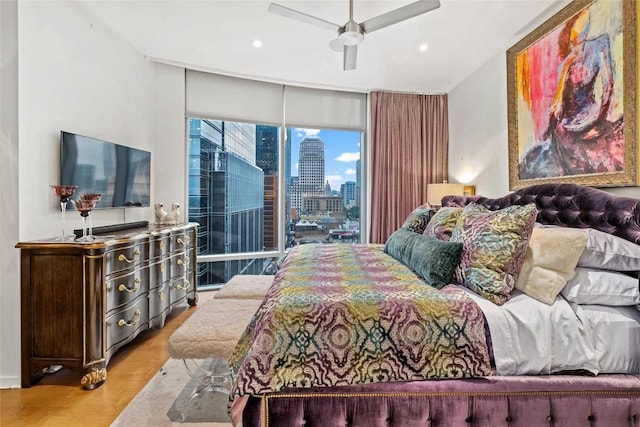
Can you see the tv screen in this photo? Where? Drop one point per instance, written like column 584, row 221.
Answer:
column 121, row 174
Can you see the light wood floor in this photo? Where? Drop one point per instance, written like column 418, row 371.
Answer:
column 59, row 400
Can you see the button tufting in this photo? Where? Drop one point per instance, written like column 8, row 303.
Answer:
column 591, row 418
column 549, row 418
column 469, row 419
column 508, row 419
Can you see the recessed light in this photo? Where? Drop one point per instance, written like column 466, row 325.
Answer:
column 257, row 43
column 423, row 47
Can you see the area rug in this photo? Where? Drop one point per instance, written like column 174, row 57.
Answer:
column 163, row 400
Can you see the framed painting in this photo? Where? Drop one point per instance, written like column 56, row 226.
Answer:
column 571, row 87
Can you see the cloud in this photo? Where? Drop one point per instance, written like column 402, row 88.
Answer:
column 348, row 157
column 301, row 132
column 350, row 172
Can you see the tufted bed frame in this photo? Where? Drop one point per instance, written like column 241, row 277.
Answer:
column 546, row 400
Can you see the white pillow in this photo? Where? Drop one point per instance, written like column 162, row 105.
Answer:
column 551, row 257
column 608, row 252
column 593, row 286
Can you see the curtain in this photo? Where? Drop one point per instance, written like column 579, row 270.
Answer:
column 409, row 150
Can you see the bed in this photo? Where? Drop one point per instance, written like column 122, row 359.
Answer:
column 520, row 311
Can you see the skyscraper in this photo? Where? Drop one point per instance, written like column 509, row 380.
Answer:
column 226, row 196
column 348, row 190
column 310, row 170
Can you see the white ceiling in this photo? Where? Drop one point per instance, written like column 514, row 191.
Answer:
column 217, row 36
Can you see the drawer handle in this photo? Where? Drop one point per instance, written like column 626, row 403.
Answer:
column 188, row 285
column 136, row 319
column 123, row 287
column 161, row 296
column 185, row 241
column 161, row 267
column 185, row 262
column 161, row 245
column 136, row 256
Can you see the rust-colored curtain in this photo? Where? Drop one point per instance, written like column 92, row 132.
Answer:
column 409, row 149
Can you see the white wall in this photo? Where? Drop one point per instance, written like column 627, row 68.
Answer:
column 76, row 76
column 9, row 217
column 73, row 75
column 478, row 130
column 170, row 156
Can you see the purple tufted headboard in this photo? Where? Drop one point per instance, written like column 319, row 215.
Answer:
column 570, row 205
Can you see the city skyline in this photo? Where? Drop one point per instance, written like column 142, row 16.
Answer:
column 341, row 151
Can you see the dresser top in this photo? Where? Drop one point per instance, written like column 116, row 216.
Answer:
column 103, row 240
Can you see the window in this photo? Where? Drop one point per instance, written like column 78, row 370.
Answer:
column 257, row 188
column 324, row 191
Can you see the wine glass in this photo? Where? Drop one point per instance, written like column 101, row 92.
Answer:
column 64, row 192
column 93, row 198
column 84, row 207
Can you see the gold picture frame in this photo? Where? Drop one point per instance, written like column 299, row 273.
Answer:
column 571, row 88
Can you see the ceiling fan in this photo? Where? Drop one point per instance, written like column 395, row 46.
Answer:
column 351, row 34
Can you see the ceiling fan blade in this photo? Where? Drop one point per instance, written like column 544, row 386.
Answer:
column 301, row 16
column 399, row 14
column 350, row 56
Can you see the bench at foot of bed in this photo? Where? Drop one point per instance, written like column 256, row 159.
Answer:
column 211, row 332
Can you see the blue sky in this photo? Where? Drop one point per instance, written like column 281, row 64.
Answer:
column 341, row 150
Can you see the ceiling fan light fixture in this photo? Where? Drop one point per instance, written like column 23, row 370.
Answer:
column 351, row 38
column 352, row 34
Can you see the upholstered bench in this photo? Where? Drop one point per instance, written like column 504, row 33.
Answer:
column 246, row 286
column 206, row 340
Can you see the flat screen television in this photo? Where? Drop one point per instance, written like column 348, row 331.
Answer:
column 121, row 174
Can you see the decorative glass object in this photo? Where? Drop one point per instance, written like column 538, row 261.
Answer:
column 85, row 204
column 64, row 192
column 93, row 198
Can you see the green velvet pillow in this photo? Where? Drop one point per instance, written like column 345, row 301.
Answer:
column 494, row 246
column 432, row 259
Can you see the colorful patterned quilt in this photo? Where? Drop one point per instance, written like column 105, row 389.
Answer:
column 340, row 314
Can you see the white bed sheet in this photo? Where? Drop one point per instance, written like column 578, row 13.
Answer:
column 616, row 336
column 531, row 338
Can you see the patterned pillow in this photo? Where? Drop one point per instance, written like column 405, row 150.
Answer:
column 418, row 219
column 432, row 259
column 442, row 223
column 494, row 246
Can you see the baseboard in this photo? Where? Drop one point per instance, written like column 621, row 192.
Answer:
column 10, row 382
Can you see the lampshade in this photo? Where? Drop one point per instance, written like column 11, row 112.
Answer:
column 435, row 192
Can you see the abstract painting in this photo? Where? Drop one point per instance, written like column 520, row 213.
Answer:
column 571, row 98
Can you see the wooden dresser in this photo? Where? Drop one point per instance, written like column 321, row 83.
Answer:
column 82, row 301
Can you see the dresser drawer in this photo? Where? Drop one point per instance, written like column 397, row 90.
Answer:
column 159, row 300
column 181, row 240
column 123, row 325
column 159, row 272
column 126, row 256
column 181, row 286
column 159, row 245
column 179, row 264
column 122, row 289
